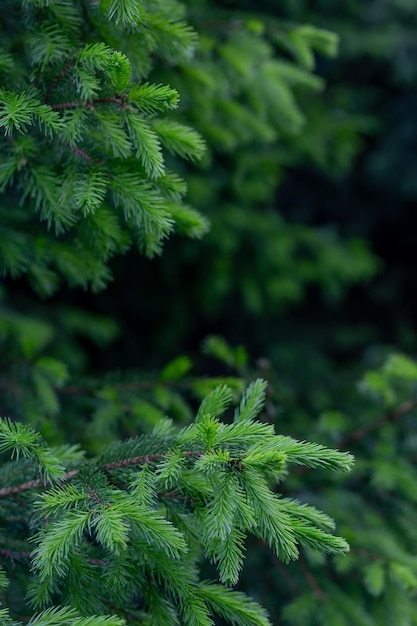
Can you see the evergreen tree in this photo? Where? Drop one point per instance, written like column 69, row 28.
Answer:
column 109, row 110
column 118, row 536
column 331, row 367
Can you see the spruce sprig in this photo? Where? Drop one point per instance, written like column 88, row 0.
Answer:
column 86, row 138
column 147, row 510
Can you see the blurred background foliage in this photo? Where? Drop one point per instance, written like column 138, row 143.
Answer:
column 309, row 182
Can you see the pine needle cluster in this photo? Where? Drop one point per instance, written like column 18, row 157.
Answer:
column 86, row 137
column 120, row 537
column 118, row 534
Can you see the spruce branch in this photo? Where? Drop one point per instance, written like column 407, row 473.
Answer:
column 14, row 554
column 69, row 66
column 34, row 484
column 90, row 387
column 98, row 562
column 90, row 104
column 366, row 554
column 221, row 471
column 175, row 495
column 137, row 460
column 360, row 433
column 79, row 152
column 390, row 416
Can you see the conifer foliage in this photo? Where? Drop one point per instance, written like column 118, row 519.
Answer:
column 87, row 137
column 119, row 537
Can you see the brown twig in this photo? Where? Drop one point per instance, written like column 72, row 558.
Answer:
column 98, row 562
column 33, row 484
column 13, row 554
column 391, row 416
column 175, row 495
column 366, row 554
column 58, row 77
column 137, row 460
column 79, row 152
column 360, row 433
column 312, row 582
column 90, row 104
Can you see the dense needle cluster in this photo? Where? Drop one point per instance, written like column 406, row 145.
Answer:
column 88, row 168
column 123, row 534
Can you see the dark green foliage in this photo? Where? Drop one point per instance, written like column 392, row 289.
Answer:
column 84, row 136
column 83, row 176
column 377, row 505
column 127, row 528
column 140, row 512
column 254, row 258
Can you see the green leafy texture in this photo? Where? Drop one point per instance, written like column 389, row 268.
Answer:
column 57, row 542
column 141, row 202
column 374, row 578
column 252, row 401
column 6, row 618
column 84, row 123
column 246, row 433
column 147, row 509
column 308, row 513
column 160, row 609
column 170, row 470
column 116, row 140
column 143, row 488
column 126, row 11
column 146, row 144
column 177, row 368
column 6, row 61
column 213, row 460
column 228, row 556
column 112, row 529
column 56, row 616
column 90, row 191
column 17, row 111
column 391, row 383
column 43, row 186
column 268, row 276
column 60, row 498
column 218, row 348
column 119, row 72
column 267, row 458
column 314, row 455
column 216, row 402
column 403, row 575
column 273, row 525
column 89, row 242
column 401, row 366
column 220, row 514
column 4, row 582
column 233, row 606
column 151, row 98
column 188, row 221
column 48, row 376
column 203, row 386
column 304, row 40
column 179, row 139
column 152, row 528
column 23, row 441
